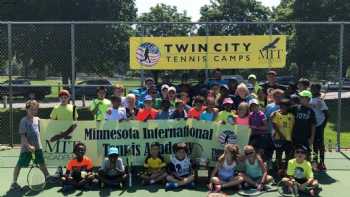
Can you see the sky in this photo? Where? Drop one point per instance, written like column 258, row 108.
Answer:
column 191, row 6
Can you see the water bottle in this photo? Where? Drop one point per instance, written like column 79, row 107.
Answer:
column 330, row 146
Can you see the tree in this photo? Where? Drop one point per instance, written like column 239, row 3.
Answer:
column 164, row 13
column 99, row 48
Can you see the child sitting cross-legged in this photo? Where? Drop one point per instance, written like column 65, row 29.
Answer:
column 225, row 173
column 154, row 166
column 300, row 173
column 255, row 170
column 79, row 170
column 112, row 171
column 180, row 169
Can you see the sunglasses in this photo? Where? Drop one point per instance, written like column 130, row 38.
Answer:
column 249, row 153
column 300, row 152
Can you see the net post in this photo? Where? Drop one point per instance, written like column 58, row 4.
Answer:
column 340, row 85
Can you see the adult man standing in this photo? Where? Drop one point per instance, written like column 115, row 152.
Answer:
column 65, row 110
column 271, row 77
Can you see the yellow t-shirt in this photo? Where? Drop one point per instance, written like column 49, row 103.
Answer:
column 154, row 163
column 102, row 107
column 284, row 123
column 63, row 112
column 300, row 170
column 226, row 116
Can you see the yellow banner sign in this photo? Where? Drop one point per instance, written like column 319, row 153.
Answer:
column 207, row 52
column 58, row 138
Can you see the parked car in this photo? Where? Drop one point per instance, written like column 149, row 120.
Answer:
column 88, row 88
column 23, row 87
column 286, row 80
column 333, row 86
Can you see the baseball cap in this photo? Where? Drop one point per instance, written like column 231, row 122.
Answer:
column 172, row 88
column 252, row 76
column 224, row 86
column 148, row 98
column 301, row 147
column 113, row 151
column 64, row 93
column 227, row 101
column 272, row 72
column 253, row 101
column 305, row 93
column 149, row 79
column 165, row 86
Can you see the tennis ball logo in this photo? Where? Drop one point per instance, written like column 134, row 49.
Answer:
column 148, row 54
column 228, row 137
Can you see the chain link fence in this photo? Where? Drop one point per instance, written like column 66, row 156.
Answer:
column 37, row 59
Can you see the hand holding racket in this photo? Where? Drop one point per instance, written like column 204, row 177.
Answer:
column 36, row 179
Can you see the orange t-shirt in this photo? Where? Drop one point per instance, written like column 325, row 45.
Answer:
column 144, row 114
column 86, row 164
column 193, row 113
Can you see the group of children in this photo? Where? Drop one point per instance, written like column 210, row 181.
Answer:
column 288, row 124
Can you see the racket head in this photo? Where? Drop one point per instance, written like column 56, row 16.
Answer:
column 283, row 190
column 250, row 192
column 36, row 179
column 216, row 194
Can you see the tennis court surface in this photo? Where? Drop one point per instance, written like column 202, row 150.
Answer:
column 335, row 182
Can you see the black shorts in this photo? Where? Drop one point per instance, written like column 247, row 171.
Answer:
column 283, row 146
column 319, row 136
column 261, row 141
column 301, row 181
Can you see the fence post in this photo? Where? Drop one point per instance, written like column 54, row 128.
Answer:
column 9, row 53
column 340, row 84
column 206, row 62
column 72, row 39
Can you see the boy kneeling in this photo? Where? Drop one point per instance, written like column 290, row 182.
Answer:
column 180, row 169
column 300, row 172
column 112, row 171
column 79, row 170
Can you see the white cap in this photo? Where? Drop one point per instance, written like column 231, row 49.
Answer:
column 253, row 101
column 172, row 88
column 165, row 86
column 148, row 98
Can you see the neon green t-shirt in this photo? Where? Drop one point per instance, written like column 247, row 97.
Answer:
column 299, row 170
column 63, row 112
column 102, row 107
column 226, row 116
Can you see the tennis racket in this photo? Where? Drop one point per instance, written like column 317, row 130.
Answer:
column 197, row 154
column 36, row 179
column 255, row 192
column 129, row 164
column 283, row 189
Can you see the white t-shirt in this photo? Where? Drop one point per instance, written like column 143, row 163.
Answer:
column 119, row 167
column 116, row 114
column 318, row 105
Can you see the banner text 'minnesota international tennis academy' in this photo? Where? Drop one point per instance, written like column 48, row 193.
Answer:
column 59, row 137
column 208, row 52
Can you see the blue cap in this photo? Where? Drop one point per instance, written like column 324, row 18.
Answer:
column 113, row 151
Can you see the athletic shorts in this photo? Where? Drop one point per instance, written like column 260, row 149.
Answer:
column 26, row 157
column 283, row 146
column 301, row 181
column 261, row 141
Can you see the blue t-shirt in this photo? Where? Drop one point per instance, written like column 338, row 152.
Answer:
column 270, row 108
column 207, row 116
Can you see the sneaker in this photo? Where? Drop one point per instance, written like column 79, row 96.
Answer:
column 15, row 186
column 170, row 185
column 151, row 182
column 190, row 185
column 67, row 188
column 322, row 167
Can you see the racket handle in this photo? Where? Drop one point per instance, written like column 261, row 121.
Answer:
column 130, row 178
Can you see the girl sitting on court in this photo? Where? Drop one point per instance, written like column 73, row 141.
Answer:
column 255, row 170
column 79, row 170
column 225, row 173
column 112, row 171
column 154, row 166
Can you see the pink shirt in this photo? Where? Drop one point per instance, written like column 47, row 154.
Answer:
column 242, row 121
